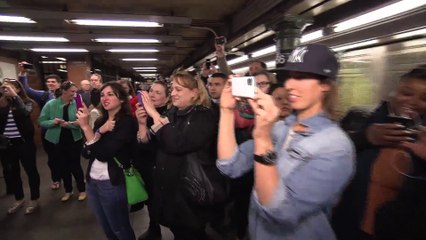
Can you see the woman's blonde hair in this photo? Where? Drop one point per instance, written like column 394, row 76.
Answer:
column 191, row 82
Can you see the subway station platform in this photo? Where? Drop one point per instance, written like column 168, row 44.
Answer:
column 56, row 220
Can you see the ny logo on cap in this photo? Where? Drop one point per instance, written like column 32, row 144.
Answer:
column 298, row 54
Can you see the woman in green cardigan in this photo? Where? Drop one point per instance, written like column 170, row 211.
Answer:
column 58, row 116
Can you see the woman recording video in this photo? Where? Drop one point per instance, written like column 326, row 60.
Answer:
column 301, row 164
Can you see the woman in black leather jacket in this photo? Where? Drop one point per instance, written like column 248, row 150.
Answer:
column 188, row 127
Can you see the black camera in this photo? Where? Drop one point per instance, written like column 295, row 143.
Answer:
column 27, row 66
column 405, row 121
column 208, row 64
column 220, row 40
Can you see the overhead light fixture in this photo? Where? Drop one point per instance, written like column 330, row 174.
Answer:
column 140, row 68
column 270, row 64
column 139, row 59
column 126, row 40
column 116, row 50
column 61, row 59
column 15, row 19
column 70, row 50
column 264, row 51
column 32, row 39
column 146, row 70
column 61, row 70
column 241, row 70
column 148, row 74
column 53, row 62
column 354, row 45
column 113, row 23
column 44, row 57
column 190, row 69
column 379, row 14
column 408, row 34
column 311, row 36
column 238, row 60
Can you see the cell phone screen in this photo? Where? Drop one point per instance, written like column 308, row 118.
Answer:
column 140, row 98
column 78, row 101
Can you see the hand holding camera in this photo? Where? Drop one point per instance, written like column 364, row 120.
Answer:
column 418, row 147
column 24, row 67
column 8, row 91
column 220, row 51
column 266, row 112
column 227, row 100
column 83, row 116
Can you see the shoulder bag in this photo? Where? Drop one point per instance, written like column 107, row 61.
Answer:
column 200, row 186
column 135, row 186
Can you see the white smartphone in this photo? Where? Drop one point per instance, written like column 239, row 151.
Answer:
column 243, row 87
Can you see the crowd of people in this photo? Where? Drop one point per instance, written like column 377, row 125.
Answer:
column 279, row 163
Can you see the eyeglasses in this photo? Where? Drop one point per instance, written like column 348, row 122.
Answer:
column 263, row 84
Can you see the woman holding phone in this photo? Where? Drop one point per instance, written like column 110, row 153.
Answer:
column 112, row 137
column 16, row 126
column 58, row 116
column 188, row 127
column 157, row 97
column 301, row 164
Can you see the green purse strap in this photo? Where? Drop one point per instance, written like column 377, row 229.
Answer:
column 118, row 163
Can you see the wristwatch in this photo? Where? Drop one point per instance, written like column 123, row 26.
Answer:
column 269, row 158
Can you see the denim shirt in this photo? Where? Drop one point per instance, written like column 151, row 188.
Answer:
column 313, row 169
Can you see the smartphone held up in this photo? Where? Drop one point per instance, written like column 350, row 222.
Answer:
column 220, row 40
column 243, row 87
column 78, row 101
column 139, row 96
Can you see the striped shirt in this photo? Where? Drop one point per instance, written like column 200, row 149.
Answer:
column 11, row 130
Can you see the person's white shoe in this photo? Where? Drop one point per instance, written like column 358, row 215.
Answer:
column 15, row 207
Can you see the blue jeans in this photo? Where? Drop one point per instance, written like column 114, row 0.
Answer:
column 110, row 205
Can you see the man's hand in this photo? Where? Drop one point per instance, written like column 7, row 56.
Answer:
column 21, row 70
column 220, row 51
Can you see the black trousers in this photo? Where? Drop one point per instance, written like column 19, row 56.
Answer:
column 24, row 152
column 145, row 167
column 68, row 155
column 52, row 161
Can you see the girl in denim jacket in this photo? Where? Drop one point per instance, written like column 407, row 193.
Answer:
column 301, row 164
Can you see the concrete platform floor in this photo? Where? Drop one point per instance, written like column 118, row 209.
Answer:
column 55, row 220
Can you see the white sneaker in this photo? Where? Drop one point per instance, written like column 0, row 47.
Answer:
column 16, row 206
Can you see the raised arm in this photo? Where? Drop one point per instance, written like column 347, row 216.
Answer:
column 221, row 60
column 36, row 95
column 226, row 141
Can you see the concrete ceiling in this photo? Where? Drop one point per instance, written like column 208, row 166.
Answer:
column 185, row 38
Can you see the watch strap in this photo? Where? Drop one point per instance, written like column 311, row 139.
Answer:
column 269, row 158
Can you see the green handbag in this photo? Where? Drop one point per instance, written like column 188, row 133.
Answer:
column 135, row 186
